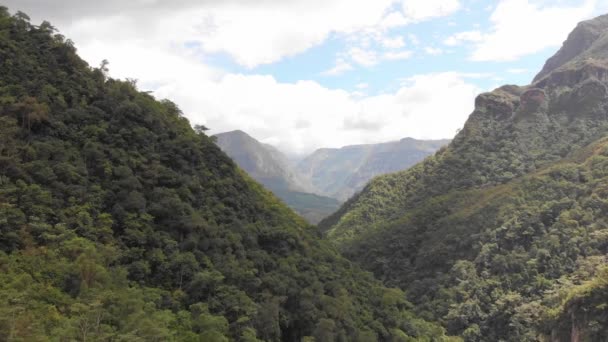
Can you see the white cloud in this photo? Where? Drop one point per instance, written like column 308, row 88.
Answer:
column 414, row 39
column 256, row 35
column 462, row 37
column 167, row 50
column 363, row 57
column 397, row 55
column 298, row 116
column 252, row 33
column 393, row 19
column 420, row 10
column 393, row 42
column 433, row 51
column 426, row 106
column 523, row 27
column 341, row 67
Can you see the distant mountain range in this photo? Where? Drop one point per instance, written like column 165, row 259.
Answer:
column 263, row 162
column 316, row 185
column 342, row 172
column 271, row 167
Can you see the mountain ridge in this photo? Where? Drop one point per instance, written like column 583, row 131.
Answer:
column 480, row 234
column 342, row 172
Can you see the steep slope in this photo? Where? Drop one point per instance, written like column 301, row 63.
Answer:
column 271, row 167
column 480, row 233
column 581, row 313
column 340, row 173
column 119, row 222
column 263, row 162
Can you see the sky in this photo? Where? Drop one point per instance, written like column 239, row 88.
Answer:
column 306, row 74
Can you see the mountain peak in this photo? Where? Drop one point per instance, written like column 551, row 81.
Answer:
column 589, row 40
column 235, row 133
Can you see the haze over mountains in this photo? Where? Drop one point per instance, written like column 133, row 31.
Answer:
column 317, row 184
column 342, row 172
column 271, row 167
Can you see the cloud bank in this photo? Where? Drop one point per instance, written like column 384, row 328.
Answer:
column 170, row 46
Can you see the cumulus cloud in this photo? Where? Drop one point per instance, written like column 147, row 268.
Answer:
column 523, row 27
column 300, row 116
column 166, row 48
column 262, row 35
column 425, row 106
column 462, row 37
column 339, row 68
column 397, row 55
column 393, row 42
column 252, row 32
column 420, row 10
column 433, row 51
column 363, row 57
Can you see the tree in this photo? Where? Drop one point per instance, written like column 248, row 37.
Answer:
column 104, row 68
column 30, row 112
column 200, row 129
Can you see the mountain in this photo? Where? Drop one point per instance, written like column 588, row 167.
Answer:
column 502, row 236
column 263, row 162
column 119, row 222
column 336, row 173
column 272, row 168
column 340, row 173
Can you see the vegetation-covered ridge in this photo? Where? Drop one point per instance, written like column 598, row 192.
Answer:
column 119, row 222
column 509, row 221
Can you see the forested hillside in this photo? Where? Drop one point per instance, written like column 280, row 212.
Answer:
column 502, row 234
column 119, row 222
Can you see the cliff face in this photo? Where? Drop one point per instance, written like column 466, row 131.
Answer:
column 587, row 40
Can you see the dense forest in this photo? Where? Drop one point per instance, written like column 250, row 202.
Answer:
column 503, row 235
column 119, row 222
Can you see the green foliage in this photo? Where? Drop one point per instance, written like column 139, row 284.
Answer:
column 484, row 260
column 582, row 309
column 120, row 222
column 481, row 234
column 312, row 207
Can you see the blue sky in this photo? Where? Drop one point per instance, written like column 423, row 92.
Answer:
column 305, row 74
column 426, row 41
